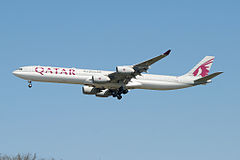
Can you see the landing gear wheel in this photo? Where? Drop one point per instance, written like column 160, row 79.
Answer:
column 125, row 91
column 114, row 93
column 120, row 90
column 119, row 97
column 30, row 85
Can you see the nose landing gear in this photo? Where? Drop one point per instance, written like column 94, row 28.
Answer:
column 29, row 84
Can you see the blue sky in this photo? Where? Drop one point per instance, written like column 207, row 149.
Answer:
column 57, row 120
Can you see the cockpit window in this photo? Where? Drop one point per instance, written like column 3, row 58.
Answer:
column 20, row 69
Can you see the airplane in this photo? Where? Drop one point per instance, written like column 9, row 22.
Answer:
column 115, row 83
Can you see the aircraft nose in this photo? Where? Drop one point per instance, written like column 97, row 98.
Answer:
column 15, row 73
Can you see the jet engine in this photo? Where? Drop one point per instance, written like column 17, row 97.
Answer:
column 90, row 90
column 125, row 69
column 100, row 79
column 104, row 93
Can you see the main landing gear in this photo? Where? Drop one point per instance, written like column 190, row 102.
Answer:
column 118, row 93
column 30, row 84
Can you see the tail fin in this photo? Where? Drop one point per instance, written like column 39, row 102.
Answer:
column 202, row 68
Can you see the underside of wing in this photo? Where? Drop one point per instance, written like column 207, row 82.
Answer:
column 117, row 77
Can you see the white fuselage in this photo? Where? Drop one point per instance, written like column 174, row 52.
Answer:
column 84, row 77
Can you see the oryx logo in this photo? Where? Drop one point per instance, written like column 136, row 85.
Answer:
column 203, row 69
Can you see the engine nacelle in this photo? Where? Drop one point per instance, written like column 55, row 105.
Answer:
column 90, row 90
column 100, row 79
column 104, row 93
column 125, row 69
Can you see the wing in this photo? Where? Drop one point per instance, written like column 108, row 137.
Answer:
column 144, row 66
column 125, row 73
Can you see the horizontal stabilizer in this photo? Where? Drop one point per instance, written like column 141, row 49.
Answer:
column 205, row 79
